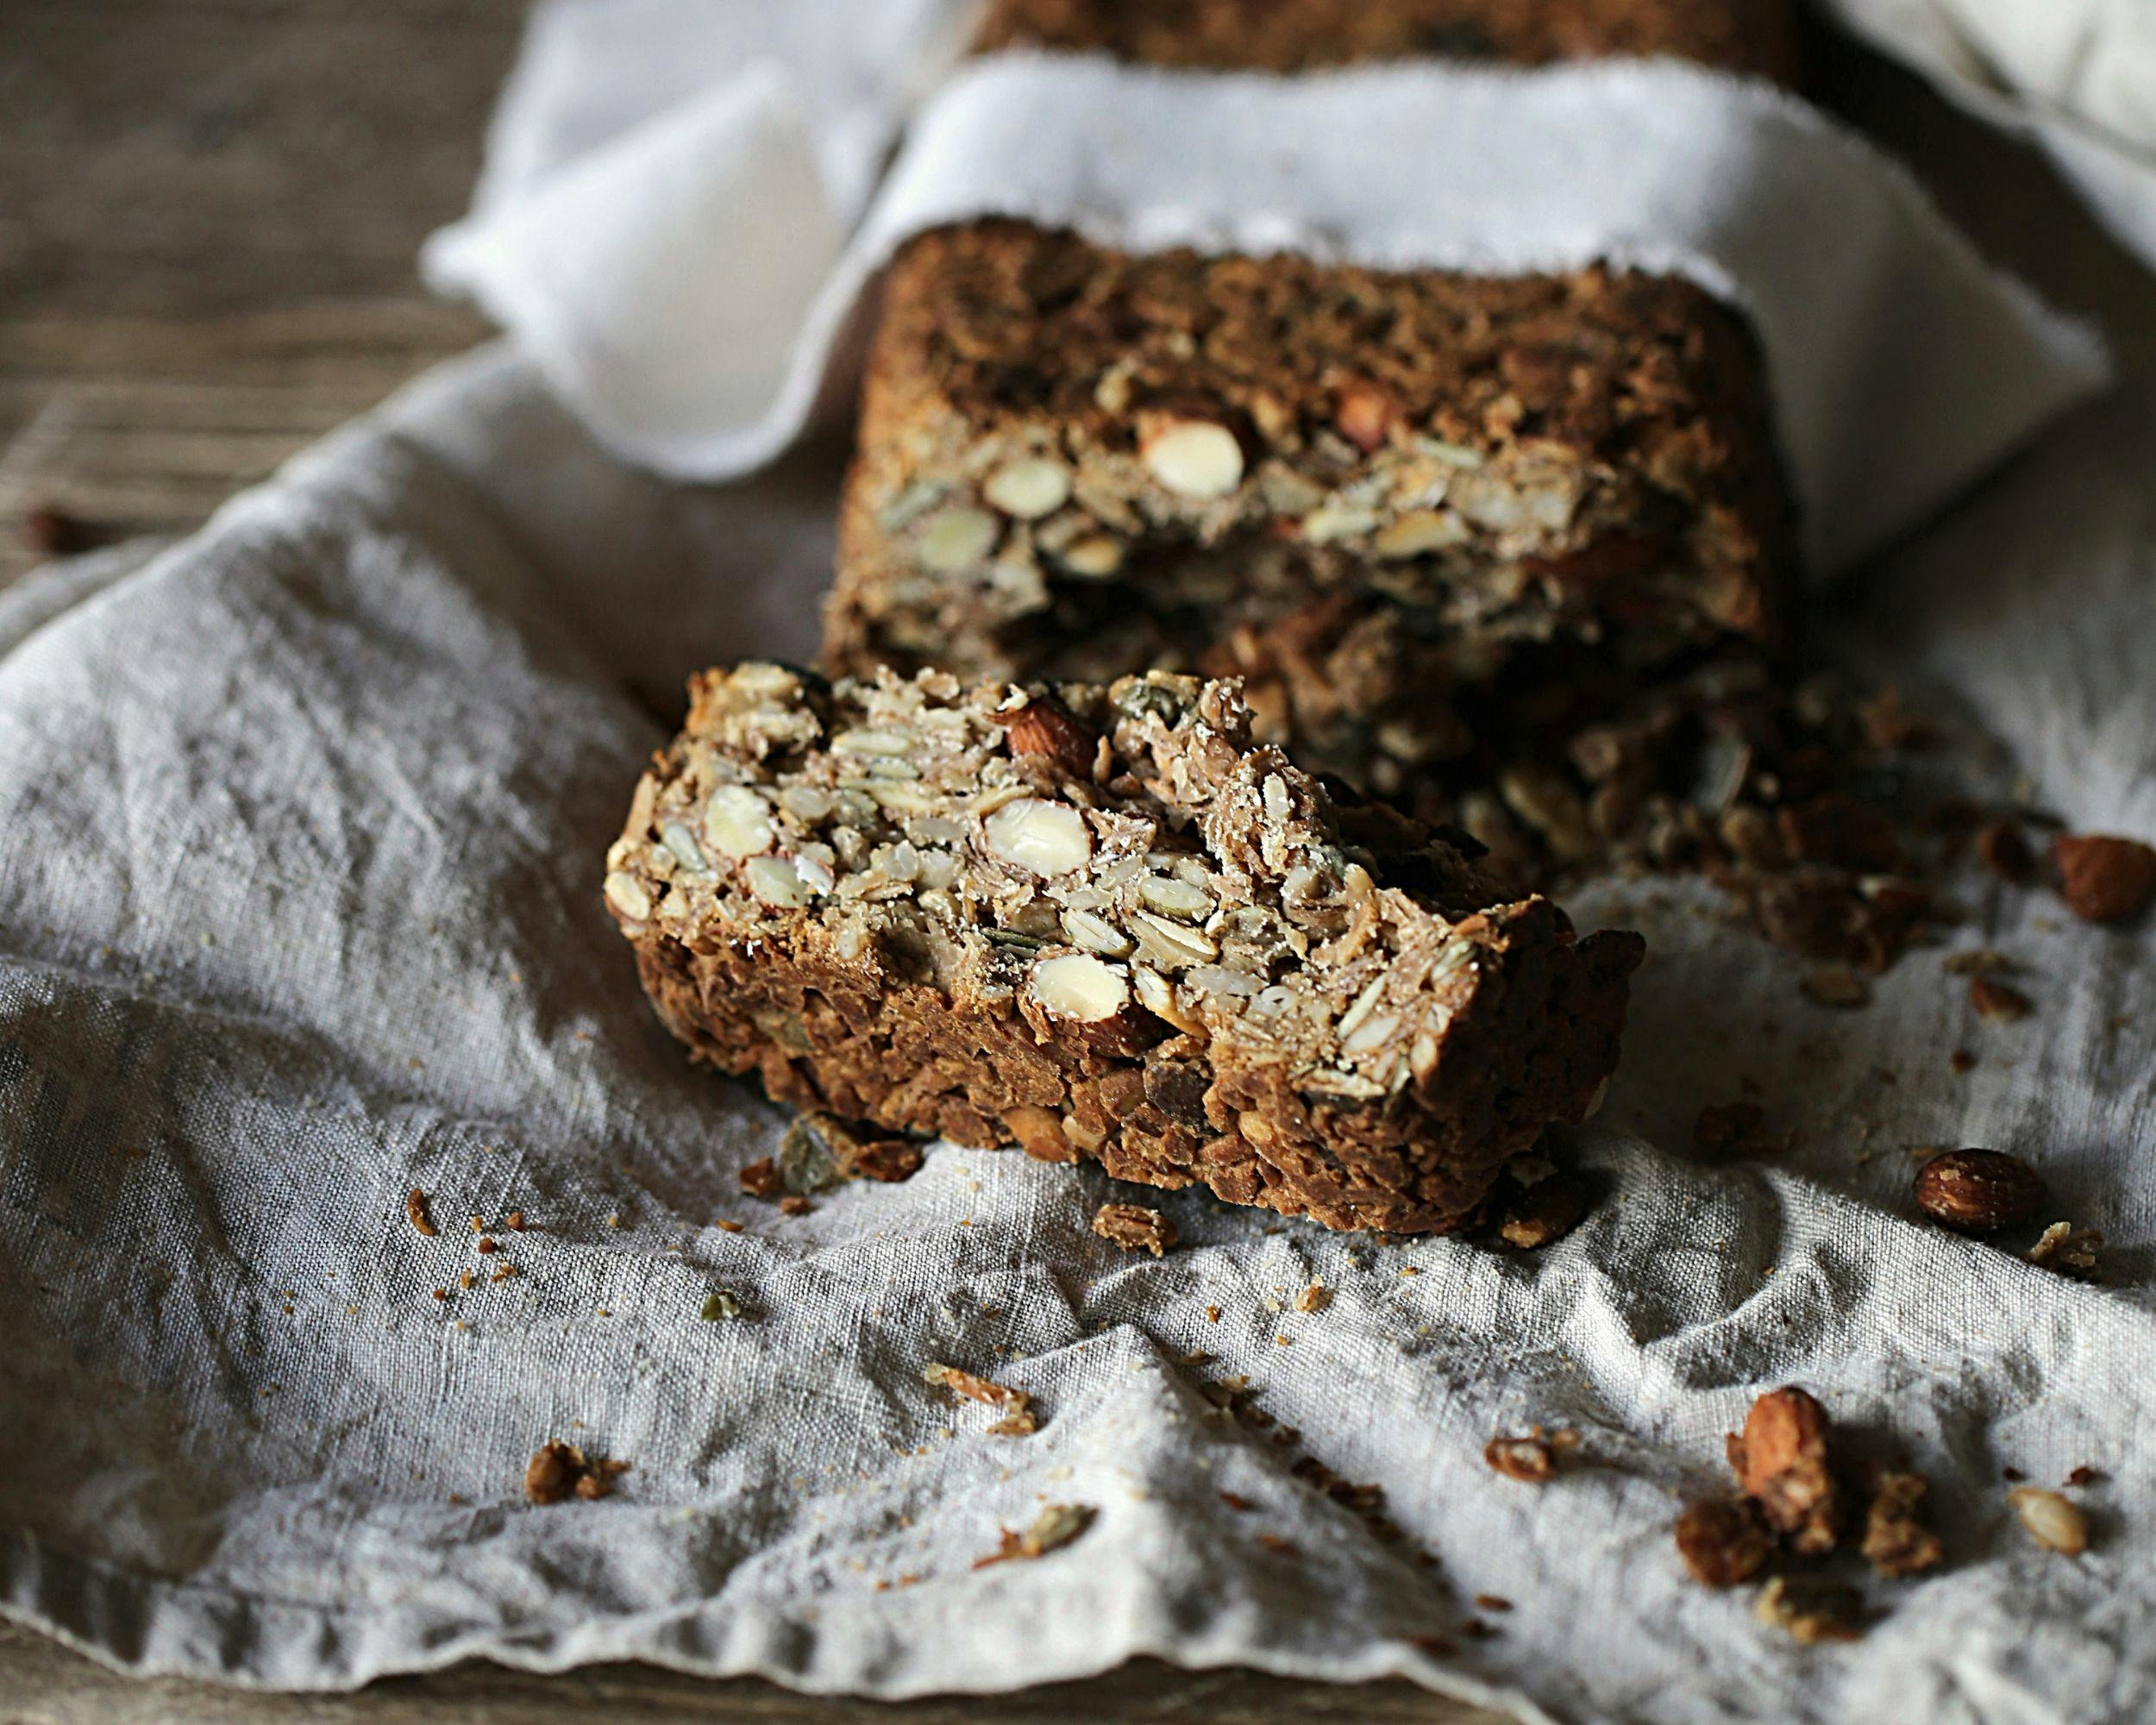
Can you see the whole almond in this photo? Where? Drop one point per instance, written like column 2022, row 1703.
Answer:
column 2104, row 879
column 1040, row 727
column 1979, row 1191
column 1782, row 1460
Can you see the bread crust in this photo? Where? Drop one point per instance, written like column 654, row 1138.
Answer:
column 1755, row 36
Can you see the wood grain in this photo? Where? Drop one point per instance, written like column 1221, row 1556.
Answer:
column 209, row 211
column 42, row 1684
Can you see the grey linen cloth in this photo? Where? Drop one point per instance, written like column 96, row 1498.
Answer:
column 300, row 832
column 298, row 911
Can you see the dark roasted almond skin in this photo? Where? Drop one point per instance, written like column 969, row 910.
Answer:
column 1979, row 1191
column 1040, row 727
column 2103, row 878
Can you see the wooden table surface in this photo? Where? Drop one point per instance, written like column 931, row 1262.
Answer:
column 209, row 213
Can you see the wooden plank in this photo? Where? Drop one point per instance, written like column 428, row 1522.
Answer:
column 43, row 1683
column 137, row 426
column 208, row 214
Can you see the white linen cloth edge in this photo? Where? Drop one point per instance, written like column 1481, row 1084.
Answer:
column 1871, row 308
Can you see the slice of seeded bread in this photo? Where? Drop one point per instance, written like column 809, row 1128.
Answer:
column 1101, row 921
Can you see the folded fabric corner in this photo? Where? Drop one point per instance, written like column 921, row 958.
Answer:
column 684, row 286
column 657, row 282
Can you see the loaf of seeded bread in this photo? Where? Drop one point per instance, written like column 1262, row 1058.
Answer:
column 1297, row 35
column 1404, row 507
column 1364, row 493
column 1103, row 922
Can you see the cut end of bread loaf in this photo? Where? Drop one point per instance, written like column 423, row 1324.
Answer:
column 1101, row 921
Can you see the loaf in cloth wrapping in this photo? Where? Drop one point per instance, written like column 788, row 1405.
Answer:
column 300, row 912
column 635, row 269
